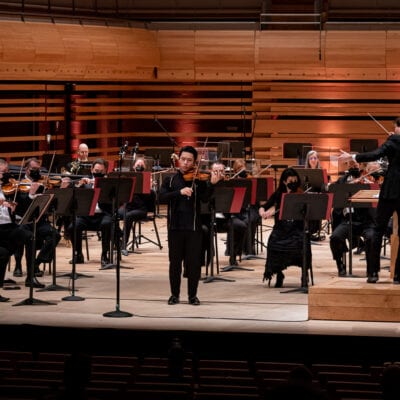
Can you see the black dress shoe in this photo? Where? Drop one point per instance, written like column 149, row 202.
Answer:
column 279, row 279
column 39, row 273
column 3, row 299
column 78, row 259
column 373, row 278
column 194, row 301
column 17, row 272
column 396, row 279
column 104, row 261
column 173, row 300
column 341, row 270
column 35, row 283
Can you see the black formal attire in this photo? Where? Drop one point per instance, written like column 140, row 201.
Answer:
column 101, row 221
column 134, row 211
column 185, row 233
column 362, row 224
column 285, row 242
column 11, row 237
column 47, row 238
column 389, row 196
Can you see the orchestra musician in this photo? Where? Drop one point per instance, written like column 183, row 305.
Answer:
column 47, row 237
column 137, row 209
column 362, row 224
column 389, row 196
column 184, row 191
column 100, row 221
column 11, row 234
column 82, row 160
column 312, row 160
column 285, row 243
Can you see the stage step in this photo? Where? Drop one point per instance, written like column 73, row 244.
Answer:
column 352, row 299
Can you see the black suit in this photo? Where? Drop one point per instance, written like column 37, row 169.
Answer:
column 389, row 198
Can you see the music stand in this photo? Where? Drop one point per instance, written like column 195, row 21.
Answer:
column 117, row 191
column 32, row 215
column 77, row 202
column 261, row 189
column 342, row 194
column 58, row 198
column 305, row 207
column 222, row 201
column 241, row 195
column 314, row 179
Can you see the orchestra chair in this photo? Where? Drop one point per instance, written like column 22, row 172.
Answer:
column 138, row 237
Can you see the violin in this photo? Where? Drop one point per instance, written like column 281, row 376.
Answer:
column 201, row 176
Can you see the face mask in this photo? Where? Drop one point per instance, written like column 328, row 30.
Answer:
column 354, row 172
column 34, row 174
column 293, row 186
column 139, row 168
column 98, row 175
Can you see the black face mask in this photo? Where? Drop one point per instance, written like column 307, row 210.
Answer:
column 139, row 168
column 98, row 175
column 34, row 174
column 354, row 172
column 293, row 186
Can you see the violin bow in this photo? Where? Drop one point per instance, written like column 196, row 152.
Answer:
column 198, row 165
column 379, row 124
column 19, row 178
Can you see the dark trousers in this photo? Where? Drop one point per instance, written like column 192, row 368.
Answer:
column 342, row 233
column 184, row 247
column 384, row 212
column 98, row 222
column 129, row 218
column 4, row 258
column 47, row 239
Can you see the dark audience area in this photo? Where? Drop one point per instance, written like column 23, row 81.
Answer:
column 60, row 363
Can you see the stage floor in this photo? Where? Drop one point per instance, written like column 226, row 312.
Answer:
column 245, row 305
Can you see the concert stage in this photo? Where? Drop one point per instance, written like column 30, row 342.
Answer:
column 245, row 309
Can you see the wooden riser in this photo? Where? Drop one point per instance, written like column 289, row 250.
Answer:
column 352, row 299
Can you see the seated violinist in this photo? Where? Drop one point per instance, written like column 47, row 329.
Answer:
column 285, row 243
column 137, row 209
column 363, row 222
column 100, row 221
column 247, row 219
column 47, row 236
column 11, row 234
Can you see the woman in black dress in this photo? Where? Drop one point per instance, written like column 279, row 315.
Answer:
column 285, row 243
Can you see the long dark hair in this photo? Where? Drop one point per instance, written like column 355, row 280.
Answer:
column 286, row 174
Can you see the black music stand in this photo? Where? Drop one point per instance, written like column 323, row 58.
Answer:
column 262, row 189
column 32, row 215
column 305, row 207
column 221, row 201
column 241, row 196
column 116, row 191
column 342, row 193
column 58, row 199
column 77, row 202
column 313, row 179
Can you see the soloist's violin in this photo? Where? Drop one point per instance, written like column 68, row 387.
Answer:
column 191, row 175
